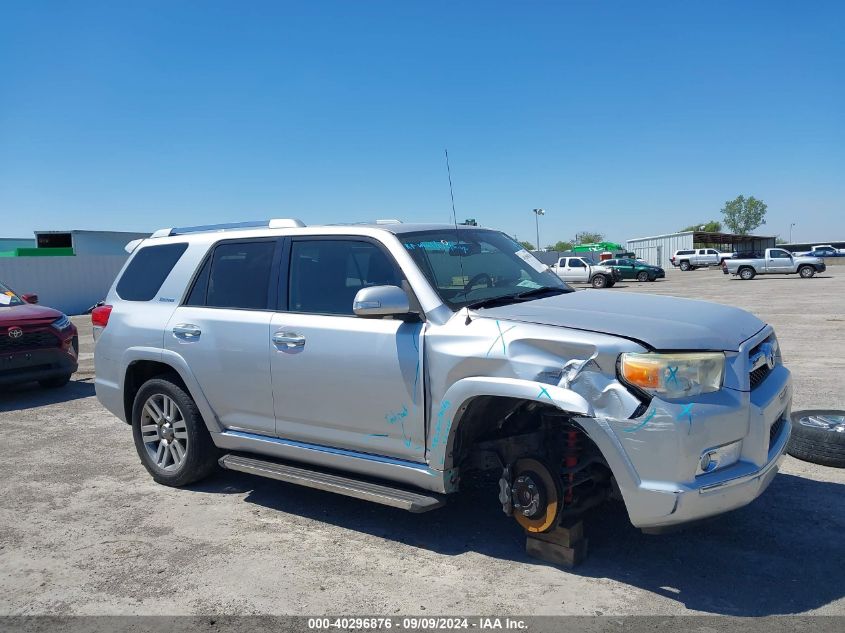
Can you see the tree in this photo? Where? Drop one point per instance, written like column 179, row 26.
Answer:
column 713, row 226
column 780, row 240
column 527, row 246
column 560, row 246
column 743, row 215
column 588, row 237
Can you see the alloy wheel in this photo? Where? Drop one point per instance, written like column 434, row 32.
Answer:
column 164, row 432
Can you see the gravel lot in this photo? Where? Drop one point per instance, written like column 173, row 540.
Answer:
column 84, row 530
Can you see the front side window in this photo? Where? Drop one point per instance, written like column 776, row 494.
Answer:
column 470, row 265
column 147, row 271
column 577, row 263
column 8, row 296
column 325, row 275
column 779, row 254
column 240, row 275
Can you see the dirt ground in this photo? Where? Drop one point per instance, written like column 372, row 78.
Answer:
column 84, row 530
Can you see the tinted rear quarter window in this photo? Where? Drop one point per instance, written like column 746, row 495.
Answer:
column 146, row 272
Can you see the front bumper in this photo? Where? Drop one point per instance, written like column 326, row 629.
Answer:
column 39, row 364
column 655, row 457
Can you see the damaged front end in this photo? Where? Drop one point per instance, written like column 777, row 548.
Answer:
column 526, row 403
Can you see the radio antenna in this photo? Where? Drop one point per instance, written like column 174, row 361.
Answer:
column 457, row 233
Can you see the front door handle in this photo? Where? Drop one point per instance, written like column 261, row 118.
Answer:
column 187, row 331
column 289, row 340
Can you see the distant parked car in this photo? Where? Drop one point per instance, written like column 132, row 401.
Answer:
column 693, row 258
column 823, row 250
column 634, row 269
column 36, row 343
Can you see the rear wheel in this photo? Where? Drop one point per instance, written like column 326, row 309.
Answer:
column 685, row 266
column 806, row 271
column 170, row 435
column 55, row 382
column 746, row 273
column 642, row 276
column 536, row 496
column 599, row 281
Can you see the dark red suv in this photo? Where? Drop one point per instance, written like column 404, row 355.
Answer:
column 36, row 342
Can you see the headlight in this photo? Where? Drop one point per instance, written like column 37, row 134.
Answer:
column 62, row 323
column 674, row 375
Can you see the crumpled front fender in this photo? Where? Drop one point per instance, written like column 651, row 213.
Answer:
column 457, row 398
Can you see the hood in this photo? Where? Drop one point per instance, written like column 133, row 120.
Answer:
column 663, row 323
column 27, row 313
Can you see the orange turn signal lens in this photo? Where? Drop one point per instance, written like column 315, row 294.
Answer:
column 641, row 372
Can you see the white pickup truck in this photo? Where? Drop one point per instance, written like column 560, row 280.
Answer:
column 693, row 258
column 578, row 269
column 774, row 261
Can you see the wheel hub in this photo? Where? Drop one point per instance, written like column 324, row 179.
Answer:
column 528, row 496
column 167, row 433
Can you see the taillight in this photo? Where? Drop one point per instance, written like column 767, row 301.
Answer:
column 100, row 316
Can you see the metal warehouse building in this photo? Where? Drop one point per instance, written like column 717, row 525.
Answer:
column 659, row 248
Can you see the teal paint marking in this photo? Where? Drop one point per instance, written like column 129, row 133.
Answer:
column 501, row 338
column 543, row 392
column 645, row 421
column 686, row 411
column 672, row 375
column 438, row 430
column 417, row 373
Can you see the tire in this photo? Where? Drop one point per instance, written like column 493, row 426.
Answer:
column 825, row 446
column 806, row 271
column 195, row 457
column 599, row 281
column 685, row 266
column 55, row 382
column 642, row 276
column 747, row 273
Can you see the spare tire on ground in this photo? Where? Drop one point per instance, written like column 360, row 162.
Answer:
column 818, row 436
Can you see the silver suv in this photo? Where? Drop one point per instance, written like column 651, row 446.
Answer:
column 388, row 361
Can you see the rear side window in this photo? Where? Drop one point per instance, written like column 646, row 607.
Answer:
column 240, row 275
column 147, row 271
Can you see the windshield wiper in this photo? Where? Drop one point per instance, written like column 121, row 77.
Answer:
column 528, row 295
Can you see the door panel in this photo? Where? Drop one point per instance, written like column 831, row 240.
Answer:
column 229, row 353
column 340, row 380
column 350, row 382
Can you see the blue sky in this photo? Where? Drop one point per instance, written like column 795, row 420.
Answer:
column 629, row 118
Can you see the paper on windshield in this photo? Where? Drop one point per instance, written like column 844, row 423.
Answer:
column 532, row 261
column 5, row 299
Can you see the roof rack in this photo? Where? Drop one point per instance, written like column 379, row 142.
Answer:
column 275, row 223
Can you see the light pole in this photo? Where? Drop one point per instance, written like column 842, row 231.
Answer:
column 537, row 214
column 790, row 232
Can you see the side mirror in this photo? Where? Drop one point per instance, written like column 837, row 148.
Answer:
column 30, row 298
column 381, row 301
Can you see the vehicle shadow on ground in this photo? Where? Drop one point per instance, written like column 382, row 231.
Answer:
column 783, row 277
column 780, row 555
column 32, row 395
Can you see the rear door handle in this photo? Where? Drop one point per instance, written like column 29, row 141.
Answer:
column 289, row 340
column 187, row 331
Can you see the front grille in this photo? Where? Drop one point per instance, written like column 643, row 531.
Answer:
column 758, row 375
column 774, row 431
column 29, row 340
column 763, row 351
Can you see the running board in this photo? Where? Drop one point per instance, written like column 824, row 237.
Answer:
column 396, row 497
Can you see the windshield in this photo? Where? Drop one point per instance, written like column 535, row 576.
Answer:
column 477, row 266
column 7, row 297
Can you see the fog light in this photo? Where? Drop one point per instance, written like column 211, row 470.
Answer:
column 718, row 457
